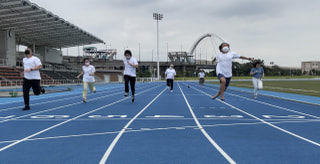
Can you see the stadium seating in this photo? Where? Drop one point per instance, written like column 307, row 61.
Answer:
column 12, row 76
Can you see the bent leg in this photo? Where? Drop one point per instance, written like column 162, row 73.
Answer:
column 92, row 87
column 36, row 87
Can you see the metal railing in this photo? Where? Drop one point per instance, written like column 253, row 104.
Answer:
column 15, row 83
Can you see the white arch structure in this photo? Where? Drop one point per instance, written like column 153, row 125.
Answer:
column 201, row 38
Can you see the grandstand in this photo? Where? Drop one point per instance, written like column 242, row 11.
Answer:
column 25, row 23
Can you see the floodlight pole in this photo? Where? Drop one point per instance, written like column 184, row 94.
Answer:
column 157, row 17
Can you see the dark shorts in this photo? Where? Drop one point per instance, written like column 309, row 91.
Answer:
column 227, row 79
column 201, row 80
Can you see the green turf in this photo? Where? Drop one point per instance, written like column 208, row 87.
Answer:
column 304, row 87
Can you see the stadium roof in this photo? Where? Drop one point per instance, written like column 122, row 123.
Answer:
column 35, row 25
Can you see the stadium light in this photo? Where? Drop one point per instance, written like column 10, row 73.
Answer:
column 157, row 17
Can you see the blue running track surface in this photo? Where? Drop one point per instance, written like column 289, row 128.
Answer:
column 162, row 127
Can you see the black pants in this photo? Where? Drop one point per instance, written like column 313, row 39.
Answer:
column 27, row 84
column 132, row 81
column 170, row 83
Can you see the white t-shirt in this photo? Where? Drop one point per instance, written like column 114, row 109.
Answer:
column 86, row 71
column 224, row 65
column 201, row 74
column 29, row 63
column 170, row 73
column 128, row 69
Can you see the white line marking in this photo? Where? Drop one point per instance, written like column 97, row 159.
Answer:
column 50, row 117
column 107, row 116
column 7, row 117
column 275, row 106
column 64, row 122
column 222, row 152
column 116, row 139
column 68, row 105
column 263, row 121
column 167, row 128
column 54, row 126
column 288, row 116
column 214, row 116
column 165, row 116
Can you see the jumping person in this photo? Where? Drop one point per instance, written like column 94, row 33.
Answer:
column 88, row 78
column 257, row 74
column 224, row 67
column 31, row 77
column 201, row 75
column 170, row 73
column 129, row 72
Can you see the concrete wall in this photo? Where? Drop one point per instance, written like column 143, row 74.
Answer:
column 50, row 55
column 8, row 47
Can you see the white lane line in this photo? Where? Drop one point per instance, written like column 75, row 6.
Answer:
column 116, row 139
column 268, row 104
column 46, row 102
column 165, row 116
column 222, row 152
column 64, row 122
column 130, row 130
column 54, row 126
column 214, row 116
column 68, row 105
column 263, row 121
column 275, row 106
column 53, row 98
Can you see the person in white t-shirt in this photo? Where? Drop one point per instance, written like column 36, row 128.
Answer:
column 170, row 73
column 88, row 78
column 31, row 77
column 201, row 75
column 129, row 72
column 224, row 67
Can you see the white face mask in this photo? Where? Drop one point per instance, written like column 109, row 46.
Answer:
column 87, row 63
column 225, row 49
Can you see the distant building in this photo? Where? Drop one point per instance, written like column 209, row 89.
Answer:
column 308, row 66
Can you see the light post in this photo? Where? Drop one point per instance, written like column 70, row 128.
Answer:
column 157, row 17
column 139, row 52
column 107, row 46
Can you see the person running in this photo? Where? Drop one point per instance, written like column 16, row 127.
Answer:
column 201, row 75
column 31, row 77
column 224, row 67
column 257, row 74
column 88, row 78
column 129, row 72
column 170, row 73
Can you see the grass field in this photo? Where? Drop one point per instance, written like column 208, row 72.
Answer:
column 304, row 87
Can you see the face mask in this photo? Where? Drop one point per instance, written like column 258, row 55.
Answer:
column 87, row 63
column 27, row 52
column 225, row 49
column 128, row 58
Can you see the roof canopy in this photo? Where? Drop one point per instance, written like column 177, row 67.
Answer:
column 35, row 25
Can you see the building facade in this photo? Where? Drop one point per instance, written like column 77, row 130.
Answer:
column 308, row 66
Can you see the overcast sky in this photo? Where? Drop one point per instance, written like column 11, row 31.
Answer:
column 285, row 32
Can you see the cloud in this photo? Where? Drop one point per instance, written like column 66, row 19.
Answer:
column 284, row 31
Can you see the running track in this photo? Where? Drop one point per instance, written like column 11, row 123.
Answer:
column 185, row 126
